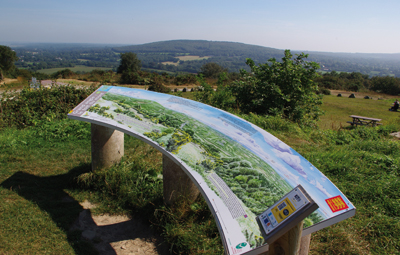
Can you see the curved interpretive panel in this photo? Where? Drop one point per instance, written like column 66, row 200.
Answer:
column 240, row 169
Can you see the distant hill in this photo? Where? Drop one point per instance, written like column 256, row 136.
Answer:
column 189, row 55
column 232, row 55
column 203, row 48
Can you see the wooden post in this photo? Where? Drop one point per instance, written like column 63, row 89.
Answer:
column 107, row 146
column 289, row 243
column 177, row 183
column 305, row 244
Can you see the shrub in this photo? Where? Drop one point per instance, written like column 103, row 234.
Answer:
column 388, row 85
column 159, row 88
column 30, row 107
column 324, row 91
column 285, row 88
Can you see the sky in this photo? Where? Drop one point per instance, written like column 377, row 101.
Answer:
column 309, row 25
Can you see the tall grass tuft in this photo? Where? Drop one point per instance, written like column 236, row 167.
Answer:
column 133, row 185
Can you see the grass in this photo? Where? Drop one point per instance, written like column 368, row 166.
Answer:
column 77, row 82
column 34, row 175
column 190, row 57
column 364, row 164
column 77, row 68
column 170, row 63
column 13, row 84
column 338, row 109
column 45, row 173
column 185, row 58
column 44, row 177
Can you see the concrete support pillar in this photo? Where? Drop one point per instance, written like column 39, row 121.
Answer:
column 177, row 184
column 289, row 243
column 107, row 146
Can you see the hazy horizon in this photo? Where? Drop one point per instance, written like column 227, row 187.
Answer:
column 20, row 44
column 342, row 26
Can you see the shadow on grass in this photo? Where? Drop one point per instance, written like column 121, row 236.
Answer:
column 48, row 193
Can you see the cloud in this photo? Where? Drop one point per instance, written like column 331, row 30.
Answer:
column 134, row 94
column 292, row 160
column 320, row 187
column 276, row 143
column 284, row 171
column 177, row 108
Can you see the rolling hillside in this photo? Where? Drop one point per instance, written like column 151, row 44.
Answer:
column 189, row 55
column 232, row 55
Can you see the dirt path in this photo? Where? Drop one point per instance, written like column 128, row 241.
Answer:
column 118, row 234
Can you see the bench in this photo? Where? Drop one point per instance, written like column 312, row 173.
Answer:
column 364, row 121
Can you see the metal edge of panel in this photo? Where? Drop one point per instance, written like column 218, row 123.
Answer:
column 326, row 223
column 258, row 250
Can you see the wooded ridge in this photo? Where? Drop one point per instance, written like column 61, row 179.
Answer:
column 170, row 56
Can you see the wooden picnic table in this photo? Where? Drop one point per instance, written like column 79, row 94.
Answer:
column 364, row 121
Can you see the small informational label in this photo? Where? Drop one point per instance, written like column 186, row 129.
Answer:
column 283, row 209
column 336, row 203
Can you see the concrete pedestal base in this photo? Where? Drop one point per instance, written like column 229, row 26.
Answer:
column 177, row 184
column 107, row 146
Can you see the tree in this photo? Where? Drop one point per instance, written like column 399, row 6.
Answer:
column 387, row 85
column 128, row 68
column 212, row 70
column 129, row 63
column 284, row 88
column 7, row 59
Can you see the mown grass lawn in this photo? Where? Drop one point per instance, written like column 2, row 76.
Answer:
column 338, row 109
column 34, row 176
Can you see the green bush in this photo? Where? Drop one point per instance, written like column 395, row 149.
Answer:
column 158, row 87
column 271, row 123
column 324, row 91
column 31, row 107
column 285, row 88
column 388, row 85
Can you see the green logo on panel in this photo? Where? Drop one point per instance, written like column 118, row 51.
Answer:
column 241, row 245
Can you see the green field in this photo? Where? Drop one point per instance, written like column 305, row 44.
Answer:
column 79, row 68
column 185, row 58
column 338, row 109
column 190, row 57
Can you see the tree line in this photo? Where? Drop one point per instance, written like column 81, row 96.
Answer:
column 356, row 81
column 35, row 59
